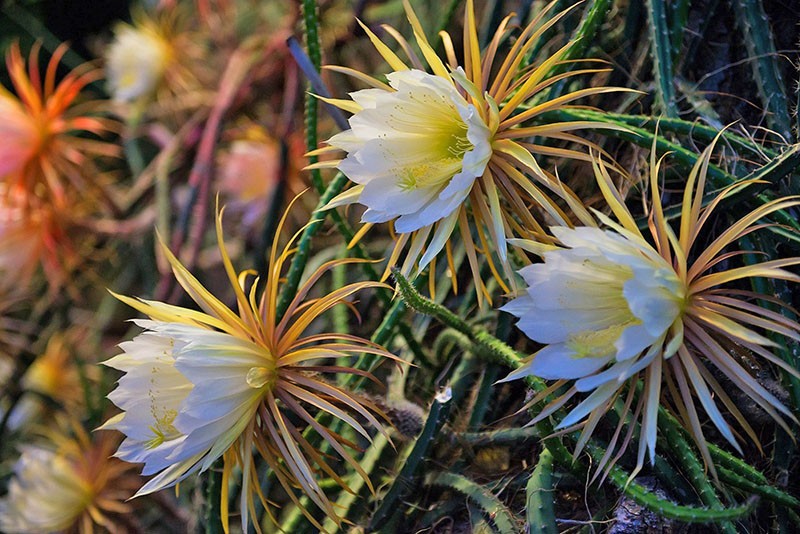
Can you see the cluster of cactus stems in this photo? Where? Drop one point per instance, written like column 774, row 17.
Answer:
column 743, row 480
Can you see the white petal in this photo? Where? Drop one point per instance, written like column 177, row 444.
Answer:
column 440, row 237
column 650, row 302
column 554, row 326
column 434, row 211
column 633, row 340
column 593, row 401
column 557, row 361
column 416, row 150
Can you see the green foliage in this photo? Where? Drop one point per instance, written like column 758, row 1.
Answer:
column 661, row 57
column 403, row 483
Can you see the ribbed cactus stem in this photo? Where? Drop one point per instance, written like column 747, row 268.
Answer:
column 660, row 53
column 752, row 20
column 540, row 510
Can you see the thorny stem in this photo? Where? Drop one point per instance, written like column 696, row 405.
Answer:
column 488, row 347
column 540, row 510
column 666, row 508
column 401, row 486
column 693, row 469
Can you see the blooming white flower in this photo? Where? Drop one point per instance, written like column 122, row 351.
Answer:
column 199, row 386
column 150, row 393
column 598, row 306
column 601, row 301
column 416, row 151
column 612, row 309
column 136, row 61
column 203, row 388
column 445, row 147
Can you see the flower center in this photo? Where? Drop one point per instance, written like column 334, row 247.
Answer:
column 451, row 143
column 427, row 175
column 259, row 377
column 598, row 343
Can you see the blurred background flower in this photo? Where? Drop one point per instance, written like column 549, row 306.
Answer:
column 55, row 385
column 61, row 138
column 137, row 59
column 254, row 168
column 68, row 483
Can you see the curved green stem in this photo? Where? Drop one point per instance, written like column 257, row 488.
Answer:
column 676, row 126
column 693, row 468
column 666, row 508
column 764, row 490
column 504, row 436
column 502, row 518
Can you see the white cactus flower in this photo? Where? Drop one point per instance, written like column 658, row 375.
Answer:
column 415, row 151
column 45, row 495
column 613, row 310
column 443, row 150
column 136, row 62
column 200, row 386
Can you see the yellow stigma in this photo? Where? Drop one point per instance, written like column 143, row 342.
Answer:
column 459, row 143
column 598, row 343
column 450, row 144
column 426, row 175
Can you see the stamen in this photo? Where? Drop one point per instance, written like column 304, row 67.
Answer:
column 598, row 343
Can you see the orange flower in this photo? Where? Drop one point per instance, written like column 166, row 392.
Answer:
column 46, row 152
column 30, row 236
column 18, row 132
